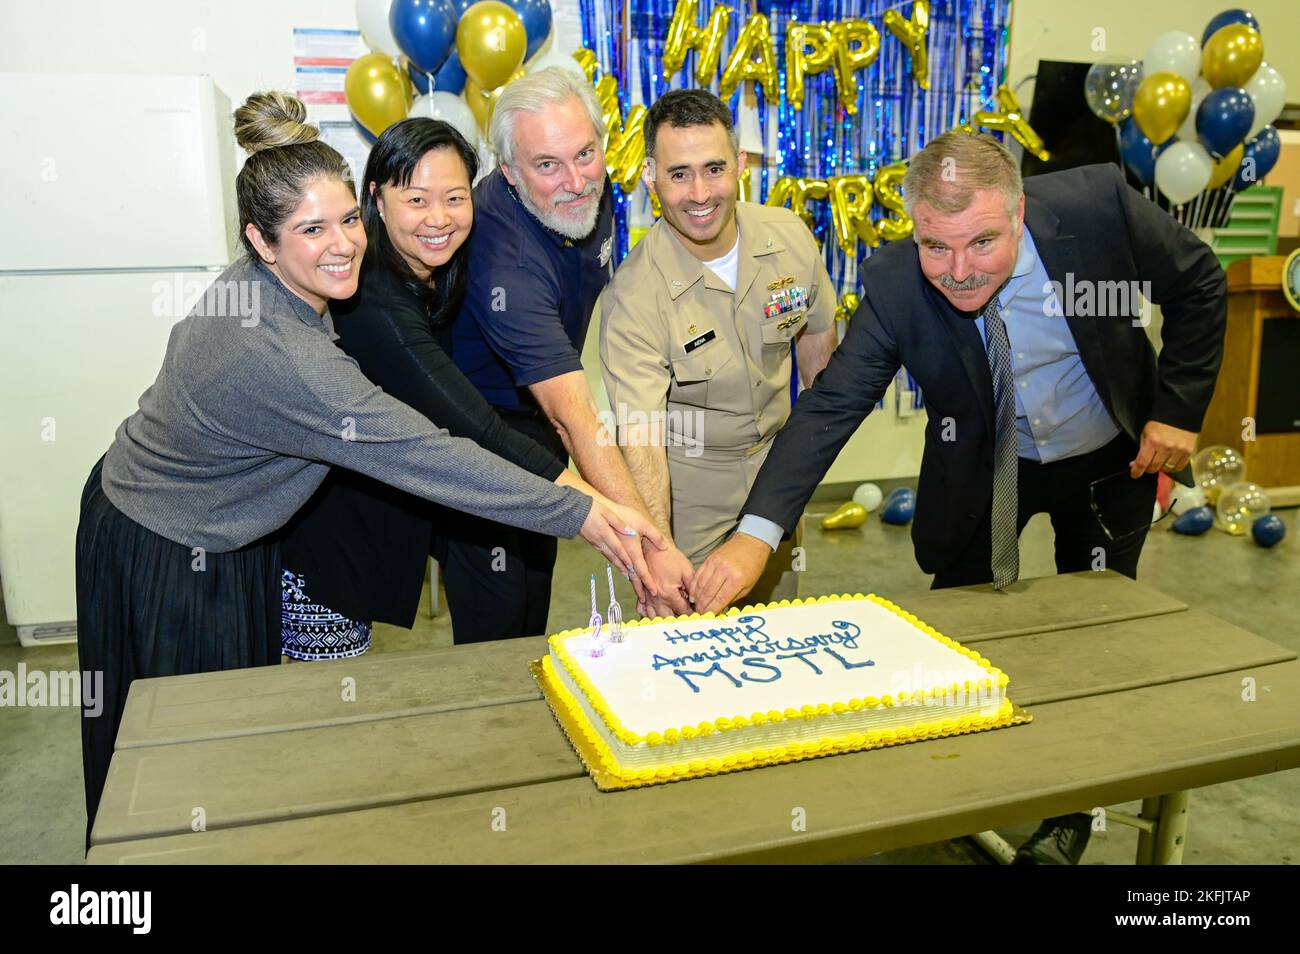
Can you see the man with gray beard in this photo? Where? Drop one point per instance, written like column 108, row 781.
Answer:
column 540, row 255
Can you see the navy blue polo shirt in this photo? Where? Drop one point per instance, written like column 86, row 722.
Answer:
column 530, row 295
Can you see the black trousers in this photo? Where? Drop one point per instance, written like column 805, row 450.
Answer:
column 147, row 606
column 1061, row 490
column 497, row 577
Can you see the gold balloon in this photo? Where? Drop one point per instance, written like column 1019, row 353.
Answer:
column 626, row 154
column 1232, row 56
column 848, row 305
column 683, row 36
column 849, row 58
column 851, row 212
column 912, row 34
column 481, row 102
column 846, row 517
column 1012, row 120
column 377, row 92
column 1160, row 105
column 1226, row 167
column 809, row 49
column 491, row 43
column 755, row 37
column 887, row 185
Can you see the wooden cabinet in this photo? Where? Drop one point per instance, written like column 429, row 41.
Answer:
column 1255, row 342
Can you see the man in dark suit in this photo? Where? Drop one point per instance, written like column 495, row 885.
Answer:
column 1018, row 308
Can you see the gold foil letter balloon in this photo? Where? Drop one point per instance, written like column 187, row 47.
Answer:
column 809, row 49
column 755, row 37
column 683, row 36
column 491, row 43
column 795, row 193
column 843, row 312
column 377, row 91
column 1232, row 56
column 887, row 186
column 626, row 153
column 1012, row 120
column 912, row 33
column 1160, row 105
column 851, row 212
column 857, row 44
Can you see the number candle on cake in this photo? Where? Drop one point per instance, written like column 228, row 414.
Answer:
column 699, row 695
column 615, row 614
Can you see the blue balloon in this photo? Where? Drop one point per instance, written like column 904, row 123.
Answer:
column 1268, row 530
column 449, row 79
column 1195, row 521
column 425, row 30
column 1138, row 152
column 899, row 506
column 536, row 15
column 1259, row 156
column 1227, row 18
column 1224, row 119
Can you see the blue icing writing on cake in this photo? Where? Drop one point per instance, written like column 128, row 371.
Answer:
column 700, row 695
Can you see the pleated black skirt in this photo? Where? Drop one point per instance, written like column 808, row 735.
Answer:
column 147, row 606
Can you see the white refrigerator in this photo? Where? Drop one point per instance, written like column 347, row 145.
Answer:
column 118, row 210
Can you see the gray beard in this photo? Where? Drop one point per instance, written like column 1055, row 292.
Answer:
column 562, row 224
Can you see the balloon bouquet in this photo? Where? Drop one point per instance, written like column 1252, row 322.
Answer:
column 1192, row 118
column 1223, row 498
column 458, row 55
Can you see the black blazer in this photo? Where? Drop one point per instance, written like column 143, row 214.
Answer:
column 1088, row 226
column 361, row 546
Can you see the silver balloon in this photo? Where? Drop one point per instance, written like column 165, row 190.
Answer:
column 1109, row 89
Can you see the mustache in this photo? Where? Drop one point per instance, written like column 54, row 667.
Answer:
column 563, row 197
column 970, row 284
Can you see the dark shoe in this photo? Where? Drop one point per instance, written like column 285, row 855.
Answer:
column 1058, row 841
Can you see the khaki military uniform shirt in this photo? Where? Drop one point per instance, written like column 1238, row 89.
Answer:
column 711, row 366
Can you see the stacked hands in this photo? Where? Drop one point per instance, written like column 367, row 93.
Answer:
column 667, row 584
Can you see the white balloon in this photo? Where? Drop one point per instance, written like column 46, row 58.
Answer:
column 372, row 18
column 1183, row 499
column 1183, row 171
column 869, row 496
column 450, row 108
column 1268, row 89
column 1174, row 52
column 1200, row 89
column 553, row 57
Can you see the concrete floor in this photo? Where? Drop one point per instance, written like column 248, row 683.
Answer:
column 42, row 816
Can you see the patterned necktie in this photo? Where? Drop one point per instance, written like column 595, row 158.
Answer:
column 1006, row 545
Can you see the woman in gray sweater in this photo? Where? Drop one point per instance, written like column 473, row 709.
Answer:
column 178, row 566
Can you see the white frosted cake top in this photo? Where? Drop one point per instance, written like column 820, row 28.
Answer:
column 689, row 671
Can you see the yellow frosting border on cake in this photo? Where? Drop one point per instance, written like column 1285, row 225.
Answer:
column 609, row 774
column 674, row 734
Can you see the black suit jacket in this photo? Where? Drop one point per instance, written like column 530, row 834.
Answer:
column 1089, row 227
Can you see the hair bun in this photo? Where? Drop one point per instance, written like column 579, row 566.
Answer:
column 272, row 119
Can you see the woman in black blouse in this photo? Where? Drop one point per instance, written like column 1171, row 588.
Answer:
column 357, row 552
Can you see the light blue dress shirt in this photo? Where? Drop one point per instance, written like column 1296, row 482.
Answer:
column 1058, row 411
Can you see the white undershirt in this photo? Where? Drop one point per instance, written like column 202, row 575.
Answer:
column 725, row 267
